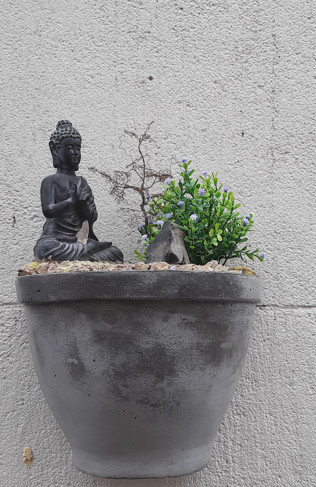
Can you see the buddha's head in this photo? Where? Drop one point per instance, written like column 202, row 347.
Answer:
column 65, row 146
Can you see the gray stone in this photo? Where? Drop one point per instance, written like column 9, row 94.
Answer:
column 168, row 246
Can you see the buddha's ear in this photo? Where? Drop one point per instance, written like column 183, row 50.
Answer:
column 54, row 151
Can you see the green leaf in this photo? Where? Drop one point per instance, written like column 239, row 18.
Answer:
column 139, row 255
column 250, row 256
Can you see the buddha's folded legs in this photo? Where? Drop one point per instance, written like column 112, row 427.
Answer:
column 111, row 254
column 52, row 249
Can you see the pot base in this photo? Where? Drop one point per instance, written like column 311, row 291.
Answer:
column 119, row 468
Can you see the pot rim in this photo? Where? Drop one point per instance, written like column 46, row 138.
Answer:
column 139, row 285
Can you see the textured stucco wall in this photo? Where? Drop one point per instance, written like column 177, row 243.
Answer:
column 234, row 88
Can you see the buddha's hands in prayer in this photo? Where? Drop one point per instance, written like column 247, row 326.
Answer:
column 80, row 196
column 85, row 195
column 86, row 203
column 72, row 191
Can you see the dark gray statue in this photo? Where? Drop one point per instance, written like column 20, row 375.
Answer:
column 67, row 201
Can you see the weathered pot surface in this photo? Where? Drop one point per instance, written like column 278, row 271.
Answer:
column 139, row 367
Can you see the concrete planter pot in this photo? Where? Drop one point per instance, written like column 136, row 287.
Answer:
column 139, row 367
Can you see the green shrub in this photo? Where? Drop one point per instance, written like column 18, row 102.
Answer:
column 206, row 212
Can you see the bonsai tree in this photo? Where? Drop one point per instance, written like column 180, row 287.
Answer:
column 138, row 176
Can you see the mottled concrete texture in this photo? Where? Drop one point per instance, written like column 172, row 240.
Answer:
column 139, row 386
column 233, row 87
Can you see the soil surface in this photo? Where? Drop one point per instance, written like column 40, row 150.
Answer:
column 52, row 267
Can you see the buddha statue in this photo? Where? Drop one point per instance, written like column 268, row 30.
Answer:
column 67, row 202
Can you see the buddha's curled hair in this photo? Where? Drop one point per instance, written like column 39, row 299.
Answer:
column 63, row 130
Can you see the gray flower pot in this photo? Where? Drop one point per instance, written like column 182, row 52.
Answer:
column 139, row 367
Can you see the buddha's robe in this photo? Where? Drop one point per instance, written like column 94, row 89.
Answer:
column 59, row 238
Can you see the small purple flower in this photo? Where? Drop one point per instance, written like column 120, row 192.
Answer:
column 226, row 189
column 151, row 222
column 245, row 221
column 184, row 160
column 160, row 223
column 248, row 216
column 144, row 238
column 148, row 198
column 168, row 216
column 180, row 203
column 141, row 227
column 205, row 173
column 202, row 192
column 194, row 217
column 167, row 181
column 261, row 255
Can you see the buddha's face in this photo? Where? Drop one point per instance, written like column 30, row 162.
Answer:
column 70, row 153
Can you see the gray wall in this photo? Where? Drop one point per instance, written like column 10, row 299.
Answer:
column 234, row 88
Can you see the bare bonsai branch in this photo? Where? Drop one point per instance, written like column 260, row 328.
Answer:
column 138, row 175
